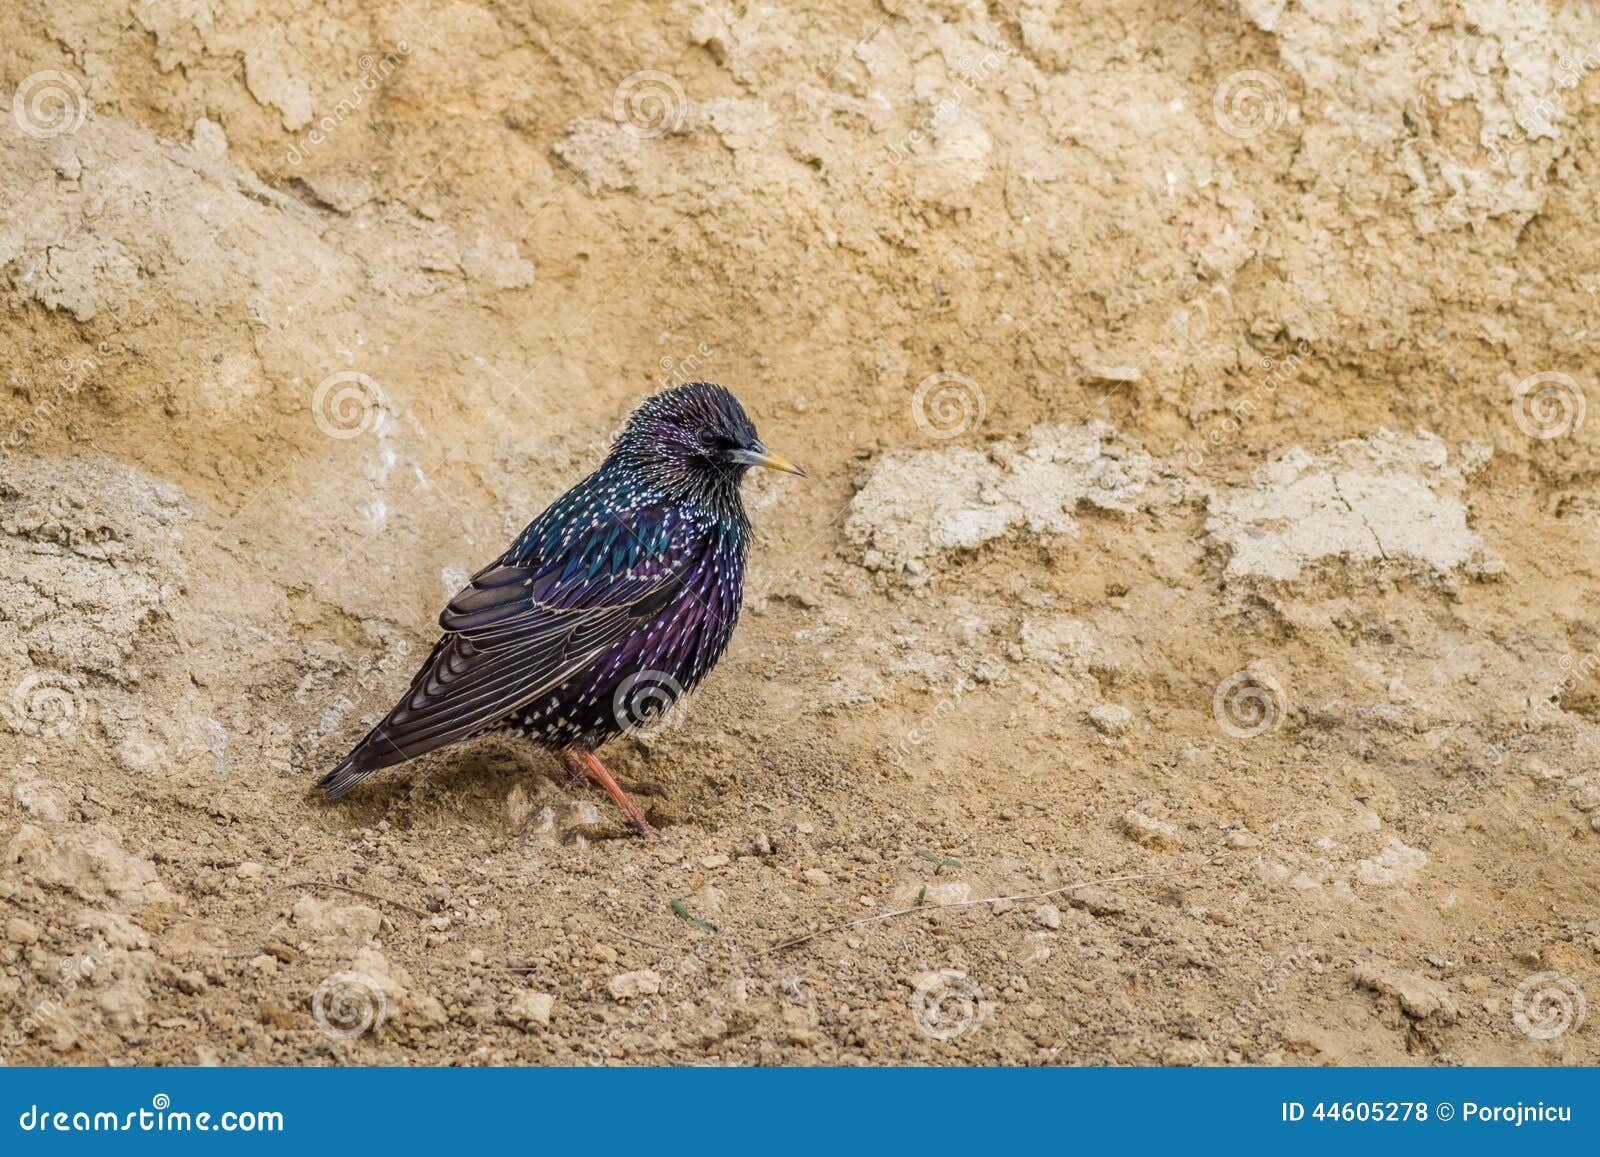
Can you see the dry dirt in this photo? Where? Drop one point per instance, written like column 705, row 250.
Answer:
column 1202, row 511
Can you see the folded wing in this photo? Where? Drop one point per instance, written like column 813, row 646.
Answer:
column 523, row 626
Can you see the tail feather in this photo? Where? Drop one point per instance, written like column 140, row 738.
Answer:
column 386, row 744
column 342, row 778
column 371, row 754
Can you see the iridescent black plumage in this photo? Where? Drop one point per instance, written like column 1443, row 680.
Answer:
column 608, row 606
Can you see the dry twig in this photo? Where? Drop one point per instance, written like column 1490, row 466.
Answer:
column 417, row 912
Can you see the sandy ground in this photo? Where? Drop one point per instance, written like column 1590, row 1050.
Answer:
column 1189, row 627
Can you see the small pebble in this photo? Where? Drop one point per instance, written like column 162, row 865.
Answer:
column 1148, row 830
column 629, row 985
column 1110, row 718
column 1097, row 900
column 530, row 1009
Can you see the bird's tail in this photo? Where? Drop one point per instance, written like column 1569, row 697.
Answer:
column 366, row 758
column 440, row 708
column 377, row 750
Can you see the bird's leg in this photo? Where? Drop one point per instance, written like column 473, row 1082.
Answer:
column 578, row 776
column 587, row 765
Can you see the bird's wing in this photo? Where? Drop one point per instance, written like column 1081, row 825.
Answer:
column 521, row 628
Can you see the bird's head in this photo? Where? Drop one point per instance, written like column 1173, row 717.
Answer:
column 696, row 438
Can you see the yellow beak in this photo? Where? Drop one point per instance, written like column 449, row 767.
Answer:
column 759, row 455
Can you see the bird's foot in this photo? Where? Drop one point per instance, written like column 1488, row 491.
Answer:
column 587, row 765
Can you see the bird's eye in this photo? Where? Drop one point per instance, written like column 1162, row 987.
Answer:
column 708, row 437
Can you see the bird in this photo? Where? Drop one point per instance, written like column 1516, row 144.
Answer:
column 609, row 606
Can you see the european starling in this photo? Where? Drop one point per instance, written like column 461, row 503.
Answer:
column 608, row 606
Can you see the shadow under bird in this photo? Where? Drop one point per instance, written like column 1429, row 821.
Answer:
column 608, row 606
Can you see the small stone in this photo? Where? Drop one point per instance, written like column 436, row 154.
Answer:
column 918, row 894
column 208, row 139
column 38, row 801
column 275, row 1015
column 1110, row 718
column 715, row 861
column 816, row 877
column 1109, row 375
column 530, row 1009
column 518, row 807
column 1149, row 831
column 762, row 844
column 249, row 870
column 1419, row 996
column 317, row 917
column 1047, row 916
column 1097, row 900
column 1540, row 770
column 1243, row 839
column 629, row 985
column 20, row 931
column 1396, row 864
column 800, row 1027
